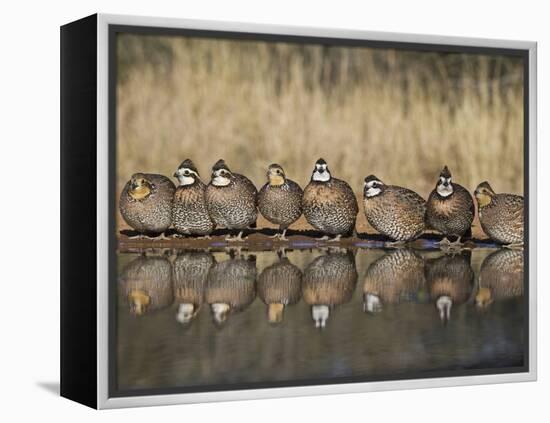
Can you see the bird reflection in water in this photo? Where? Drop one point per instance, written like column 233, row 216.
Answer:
column 396, row 275
column 329, row 280
column 146, row 284
column 501, row 276
column 231, row 286
column 190, row 275
column 279, row 285
column 450, row 281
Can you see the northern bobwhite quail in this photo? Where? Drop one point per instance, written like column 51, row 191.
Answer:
column 501, row 276
column 397, row 274
column 146, row 284
column 231, row 287
column 189, row 275
column 280, row 199
column 500, row 215
column 329, row 280
column 189, row 213
column 393, row 211
column 279, row 285
column 231, row 200
column 329, row 204
column 146, row 203
column 450, row 281
column 450, row 208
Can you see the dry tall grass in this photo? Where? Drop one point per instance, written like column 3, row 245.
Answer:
column 400, row 115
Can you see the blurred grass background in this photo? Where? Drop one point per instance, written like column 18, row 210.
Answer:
column 400, row 115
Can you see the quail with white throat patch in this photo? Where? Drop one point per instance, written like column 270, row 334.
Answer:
column 329, row 281
column 231, row 287
column 450, row 280
column 450, row 209
column 329, row 204
column 189, row 214
column 280, row 199
column 231, row 200
column 396, row 275
column 394, row 211
column 146, row 204
column 500, row 215
column 190, row 274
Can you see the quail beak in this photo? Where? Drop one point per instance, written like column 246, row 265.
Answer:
column 175, row 174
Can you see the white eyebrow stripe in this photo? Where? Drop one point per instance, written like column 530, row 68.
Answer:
column 181, row 170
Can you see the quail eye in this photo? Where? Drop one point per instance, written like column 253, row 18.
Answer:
column 186, row 173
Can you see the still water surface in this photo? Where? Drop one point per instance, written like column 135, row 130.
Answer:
column 196, row 318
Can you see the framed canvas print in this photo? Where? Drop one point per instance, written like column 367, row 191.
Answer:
column 253, row 211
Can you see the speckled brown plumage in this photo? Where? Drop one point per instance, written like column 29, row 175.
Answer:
column 395, row 211
column 280, row 201
column 190, row 275
column 279, row 285
column 501, row 276
column 330, row 279
column 189, row 214
column 451, row 215
column 500, row 215
column 452, row 277
column 329, row 206
column 152, row 214
column 146, row 284
column 396, row 275
column 232, row 282
column 232, row 206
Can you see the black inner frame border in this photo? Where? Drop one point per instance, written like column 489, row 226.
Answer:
column 115, row 29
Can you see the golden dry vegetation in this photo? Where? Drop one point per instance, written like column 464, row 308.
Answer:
column 398, row 114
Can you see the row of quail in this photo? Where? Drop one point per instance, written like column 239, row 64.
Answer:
column 449, row 280
column 147, row 284
column 194, row 279
column 451, row 210
column 403, row 215
column 151, row 204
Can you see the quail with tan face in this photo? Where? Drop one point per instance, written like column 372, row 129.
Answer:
column 279, row 285
column 500, row 277
column 329, row 204
column 189, row 214
column 500, row 215
column 231, row 200
column 146, row 203
column 146, row 284
column 394, row 211
column 280, row 199
column 450, row 208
